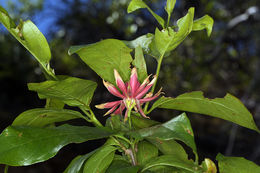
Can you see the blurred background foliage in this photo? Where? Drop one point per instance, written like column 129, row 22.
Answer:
column 228, row 61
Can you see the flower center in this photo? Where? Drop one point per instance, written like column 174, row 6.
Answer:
column 129, row 103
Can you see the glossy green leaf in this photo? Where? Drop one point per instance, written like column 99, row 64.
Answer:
column 178, row 128
column 23, row 145
column 101, row 160
column 140, row 64
column 167, row 40
column 30, row 37
column 166, row 169
column 169, row 147
column 140, row 122
column 205, row 22
column 72, row 91
column 137, row 4
column 44, row 116
column 228, row 108
column 236, row 165
column 145, row 152
column 115, row 122
column 105, row 56
column 76, row 164
column 120, row 166
column 173, row 161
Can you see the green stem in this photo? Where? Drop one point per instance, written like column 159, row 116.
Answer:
column 6, row 169
column 92, row 117
column 157, row 75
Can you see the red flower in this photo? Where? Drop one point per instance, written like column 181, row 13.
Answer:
column 132, row 94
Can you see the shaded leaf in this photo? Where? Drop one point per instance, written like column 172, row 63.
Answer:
column 178, row 128
column 23, row 145
column 120, row 166
column 137, row 4
column 105, row 56
column 140, row 64
column 205, row 22
column 227, row 108
column 101, row 160
column 169, row 147
column 236, row 165
column 173, row 161
column 145, row 152
column 72, row 91
column 31, row 38
column 75, row 165
column 139, row 122
column 41, row 117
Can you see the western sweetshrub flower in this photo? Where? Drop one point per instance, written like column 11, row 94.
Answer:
column 132, row 94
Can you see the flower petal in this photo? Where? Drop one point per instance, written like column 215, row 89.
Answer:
column 108, row 104
column 148, row 99
column 111, row 110
column 134, row 84
column 112, row 89
column 120, row 109
column 146, row 89
column 142, row 86
column 140, row 109
column 119, row 82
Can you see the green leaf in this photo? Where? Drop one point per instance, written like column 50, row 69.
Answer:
column 31, row 38
column 173, row 161
column 23, row 145
column 205, row 22
column 120, row 166
column 169, row 147
column 146, row 151
column 44, row 116
column 105, row 56
column 143, row 41
column 236, row 165
column 101, row 160
column 140, row 122
column 139, row 63
column 178, row 128
column 137, row 4
column 228, row 108
column 167, row 40
column 75, row 165
column 169, row 9
column 72, row 91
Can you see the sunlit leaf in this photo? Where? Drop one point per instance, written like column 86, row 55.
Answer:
column 30, row 37
column 72, row 91
column 105, row 56
column 44, row 116
column 137, row 4
column 228, row 108
column 139, row 63
column 169, row 8
column 121, row 166
column 236, row 165
column 205, row 22
column 23, row 145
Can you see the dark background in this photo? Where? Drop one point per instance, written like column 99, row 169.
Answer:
column 227, row 62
